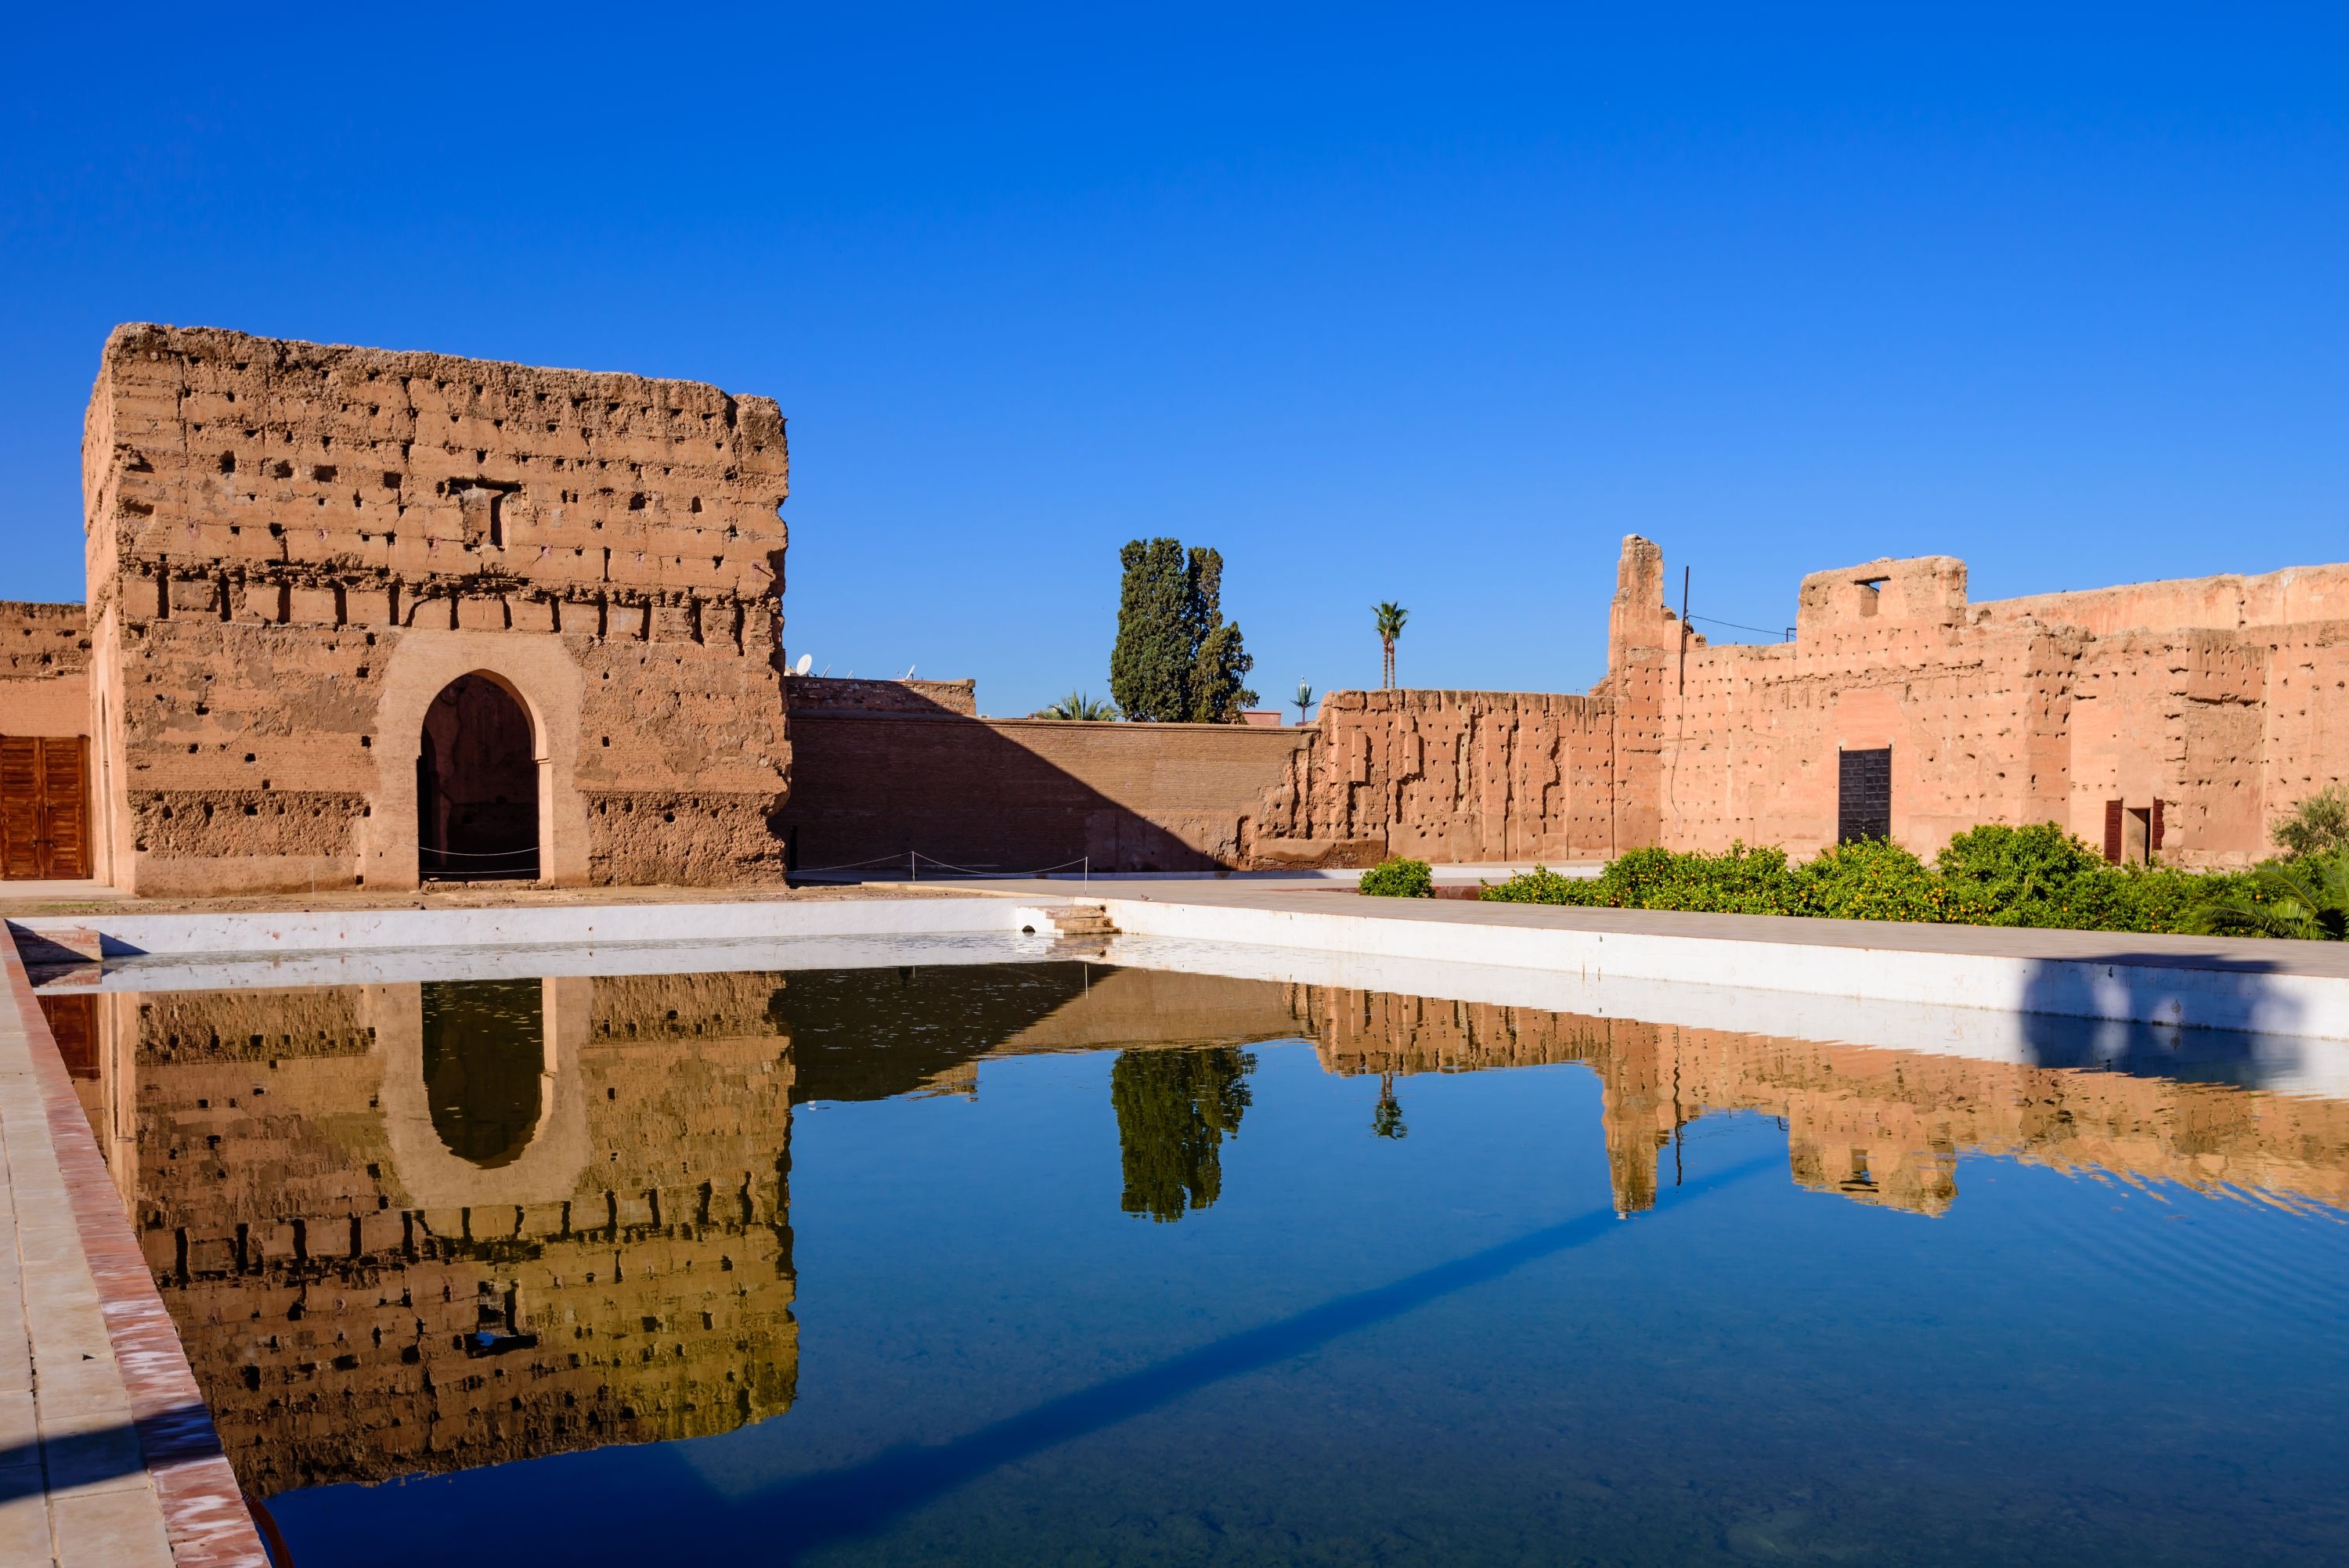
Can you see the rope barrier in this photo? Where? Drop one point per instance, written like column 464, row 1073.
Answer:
column 913, row 860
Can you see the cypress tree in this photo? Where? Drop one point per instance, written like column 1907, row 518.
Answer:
column 1176, row 657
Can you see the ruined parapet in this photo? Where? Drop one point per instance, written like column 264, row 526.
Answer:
column 43, row 669
column 294, row 549
column 840, row 695
column 1457, row 777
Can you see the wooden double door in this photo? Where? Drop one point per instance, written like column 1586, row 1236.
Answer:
column 44, row 806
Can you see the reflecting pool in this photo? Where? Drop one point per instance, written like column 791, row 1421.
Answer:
column 1063, row 1262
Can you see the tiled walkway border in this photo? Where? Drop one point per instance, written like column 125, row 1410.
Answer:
column 205, row 1519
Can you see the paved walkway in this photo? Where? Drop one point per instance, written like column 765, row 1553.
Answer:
column 2259, row 954
column 107, row 1459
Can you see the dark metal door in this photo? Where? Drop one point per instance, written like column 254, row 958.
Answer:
column 1864, row 795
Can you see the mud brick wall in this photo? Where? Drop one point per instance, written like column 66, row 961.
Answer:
column 1454, row 776
column 829, row 694
column 43, row 669
column 1022, row 794
column 2219, row 697
column 293, row 548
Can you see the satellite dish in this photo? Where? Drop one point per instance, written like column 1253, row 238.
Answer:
column 807, row 663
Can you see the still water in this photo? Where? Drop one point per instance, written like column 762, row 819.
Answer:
column 1063, row 1262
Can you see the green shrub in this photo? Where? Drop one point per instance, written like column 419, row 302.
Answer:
column 1876, row 879
column 1738, row 880
column 2033, row 876
column 2307, row 898
column 2043, row 876
column 1400, row 877
column 2319, row 825
column 1541, row 885
column 2010, row 868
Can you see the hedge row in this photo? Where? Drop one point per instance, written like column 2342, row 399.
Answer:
column 2033, row 876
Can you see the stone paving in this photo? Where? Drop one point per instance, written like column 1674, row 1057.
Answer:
column 107, row 1459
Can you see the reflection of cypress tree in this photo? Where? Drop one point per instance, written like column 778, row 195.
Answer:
column 1173, row 1111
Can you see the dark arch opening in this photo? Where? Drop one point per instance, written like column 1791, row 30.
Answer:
column 477, row 786
column 485, row 1053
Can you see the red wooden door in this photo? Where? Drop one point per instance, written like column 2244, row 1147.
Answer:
column 44, row 806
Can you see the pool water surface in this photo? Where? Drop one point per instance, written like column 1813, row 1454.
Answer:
column 1065, row 1263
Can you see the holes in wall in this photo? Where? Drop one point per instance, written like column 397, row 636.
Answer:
column 228, row 462
column 281, row 470
column 324, row 473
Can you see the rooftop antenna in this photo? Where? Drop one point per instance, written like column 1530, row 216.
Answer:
column 827, row 670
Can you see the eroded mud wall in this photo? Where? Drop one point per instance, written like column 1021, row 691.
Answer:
column 294, row 548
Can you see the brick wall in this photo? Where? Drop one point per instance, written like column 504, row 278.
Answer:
column 293, row 548
column 43, row 669
column 1021, row 794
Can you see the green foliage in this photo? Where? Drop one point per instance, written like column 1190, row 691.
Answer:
column 1542, row 885
column 1173, row 1109
column 1176, row 658
column 2035, row 876
column 1389, row 618
column 1400, row 877
column 1386, row 1116
column 2319, row 825
column 2307, row 897
column 1876, row 879
column 1079, row 706
column 2042, row 876
column 2011, row 867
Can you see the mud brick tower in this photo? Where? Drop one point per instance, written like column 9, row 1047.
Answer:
column 362, row 617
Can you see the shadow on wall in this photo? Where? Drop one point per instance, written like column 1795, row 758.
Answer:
column 2217, row 1021
column 1009, row 795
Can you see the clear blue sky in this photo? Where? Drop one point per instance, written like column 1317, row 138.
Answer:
column 1429, row 303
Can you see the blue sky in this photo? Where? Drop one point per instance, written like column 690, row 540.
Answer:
column 1433, row 304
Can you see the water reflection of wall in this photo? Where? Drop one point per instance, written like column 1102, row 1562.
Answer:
column 1878, row 1126
column 366, row 1289
column 360, row 1300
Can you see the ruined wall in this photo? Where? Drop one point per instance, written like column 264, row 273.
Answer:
column 293, row 548
column 43, row 669
column 1022, row 794
column 2014, row 711
column 350, row 1318
column 829, row 694
column 1447, row 776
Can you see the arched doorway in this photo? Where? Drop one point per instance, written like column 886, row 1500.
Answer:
column 477, row 785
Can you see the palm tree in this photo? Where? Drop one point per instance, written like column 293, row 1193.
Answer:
column 1077, row 705
column 1390, row 617
column 1304, row 701
column 2307, row 898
